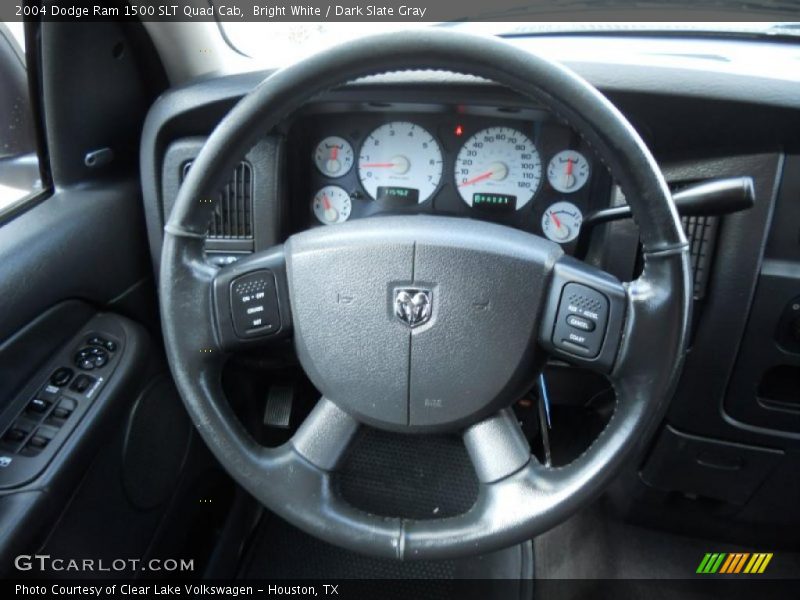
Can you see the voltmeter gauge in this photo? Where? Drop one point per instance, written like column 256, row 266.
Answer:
column 334, row 156
column 332, row 205
column 568, row 171
column 561, row 222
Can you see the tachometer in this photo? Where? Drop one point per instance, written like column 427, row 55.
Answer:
column 498, row 169
column 400, row 162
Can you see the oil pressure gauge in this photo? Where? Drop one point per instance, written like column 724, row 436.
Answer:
column 331, row 205
column 561, row 222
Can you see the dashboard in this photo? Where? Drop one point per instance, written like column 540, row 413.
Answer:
column 511, row 165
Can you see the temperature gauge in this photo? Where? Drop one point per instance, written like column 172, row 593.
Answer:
column 332, row 205
column 562, row 222
column 333, row 156
column 568, row 171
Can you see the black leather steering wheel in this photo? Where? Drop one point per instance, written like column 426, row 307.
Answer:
column 491, row 309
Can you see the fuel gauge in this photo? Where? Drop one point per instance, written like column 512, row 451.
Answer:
column 562, row 222
column 332, row 205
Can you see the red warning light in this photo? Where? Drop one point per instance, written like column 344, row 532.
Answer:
column 459, row 130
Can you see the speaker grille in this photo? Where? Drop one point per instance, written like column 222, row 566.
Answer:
column 233, row 214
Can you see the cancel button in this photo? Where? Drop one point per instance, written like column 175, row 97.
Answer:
column 580, row 323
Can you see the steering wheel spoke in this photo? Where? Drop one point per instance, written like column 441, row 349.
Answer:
column 325, row 435
column 584, row 315
column 497, row 447
column 251, row 301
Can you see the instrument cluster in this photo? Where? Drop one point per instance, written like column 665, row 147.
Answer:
column 528, row 171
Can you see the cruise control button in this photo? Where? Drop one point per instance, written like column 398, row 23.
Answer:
column 580, row 323
column 581, row 320
column 254, row 304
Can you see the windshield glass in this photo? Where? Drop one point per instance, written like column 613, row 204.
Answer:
column 277, row 44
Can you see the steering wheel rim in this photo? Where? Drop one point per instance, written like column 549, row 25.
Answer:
column 518, row 498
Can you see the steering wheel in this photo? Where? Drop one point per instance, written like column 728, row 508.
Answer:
column 424, row 324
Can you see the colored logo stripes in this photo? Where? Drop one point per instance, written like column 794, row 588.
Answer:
column 734, row 563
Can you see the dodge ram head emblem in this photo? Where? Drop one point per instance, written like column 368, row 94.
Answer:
column 412, row 306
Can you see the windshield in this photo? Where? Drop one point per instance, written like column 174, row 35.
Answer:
column 277, row 44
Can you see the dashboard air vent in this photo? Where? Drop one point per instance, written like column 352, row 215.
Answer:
column 701, row 231
column 233, row 215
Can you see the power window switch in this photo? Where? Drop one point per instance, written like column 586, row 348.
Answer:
column 64, row 408
column 14, row 435
column 38, row 442
column 37, row 406
column 41, row 437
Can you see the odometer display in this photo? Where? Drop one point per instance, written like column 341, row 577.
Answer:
column 498, row 162
column 497, row 203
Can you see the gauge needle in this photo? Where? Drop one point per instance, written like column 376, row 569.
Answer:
column 334, row 152
column 476, row 179
column 387, row 165
column 556, row 220
column 326, row 204
column 569, row 167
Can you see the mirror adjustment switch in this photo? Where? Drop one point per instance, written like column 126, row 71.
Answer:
column 254, row 304
column 581, row 320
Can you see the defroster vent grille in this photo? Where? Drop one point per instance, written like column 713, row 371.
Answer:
column 233, row 214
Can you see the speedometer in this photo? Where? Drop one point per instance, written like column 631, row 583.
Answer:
column 400, row 162
column 498, row 169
